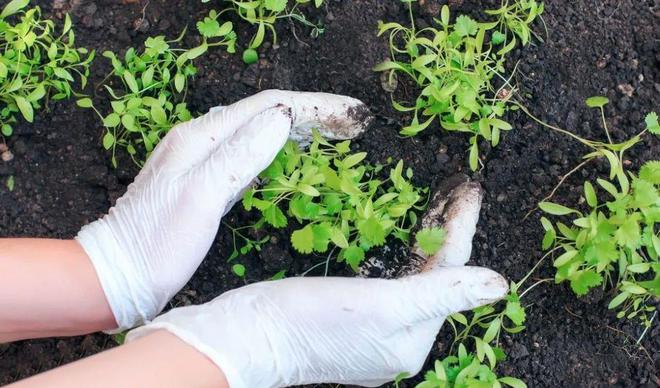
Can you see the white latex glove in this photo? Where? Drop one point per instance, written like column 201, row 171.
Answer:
column 338, row 330
column 151, row 242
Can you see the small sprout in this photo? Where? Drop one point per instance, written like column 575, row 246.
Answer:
column 597, row 101
column 263, row 14
column 10, row 183
column 250, row 56
column 238, row 270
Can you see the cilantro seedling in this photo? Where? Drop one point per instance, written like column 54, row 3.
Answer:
column 38, row 64
column 465, row 370
column 264, row 14
column 454, row 68
column 148, row 97
column 335, row 199
column 615, row 243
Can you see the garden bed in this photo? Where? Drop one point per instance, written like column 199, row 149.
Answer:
column 63, row 178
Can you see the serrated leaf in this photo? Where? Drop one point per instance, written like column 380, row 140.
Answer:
column 303, row 239
column 430, row 240
column 585, row 280
column 353, row 256
column 652, row 125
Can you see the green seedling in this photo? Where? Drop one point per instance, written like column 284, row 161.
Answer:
column 465, row 370
column 247, row 244
column 264, row 14
column 337, row 200
column 238, row 270
column 515, row 18
column 615, row 243
column 10, row 183
column 36, row 64
column 215, row 34
column 454, row 68
column 149, row 97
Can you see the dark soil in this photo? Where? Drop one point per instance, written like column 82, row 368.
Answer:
column 64, row 179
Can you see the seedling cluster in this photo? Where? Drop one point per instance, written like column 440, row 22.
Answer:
column 455, row 66
column 616, row 242
column 338, row 201
column 264, row 14
column 37, row 63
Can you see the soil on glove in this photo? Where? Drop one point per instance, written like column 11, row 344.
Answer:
column 63, row 178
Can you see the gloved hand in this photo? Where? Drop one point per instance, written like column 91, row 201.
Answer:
column 339, row 330
column 151, row 242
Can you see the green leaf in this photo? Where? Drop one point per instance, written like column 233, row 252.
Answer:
column 474, row 156
column 10, row 183
column 63, row 73
column 597, row 101
column 372, row 230
column 652, row 125
column 238, row 269
column 512, row 382
column 250, row 56
column 466, row 26
column 108, row 140
column 159, row 115
column 25, row 107
column 585, row 280
column 111, row 120
column 498, row 38
column 13, row 7
column 303, row 239
column 338, row 238
column 276, row 6
column 650, row 172
column 555, row 209
column 131, row 82
column 85, row 103
column 618, row 300
column 353, row 256
column 430, row 240
column 493, row 330
column 444, row 15
column 515, row 312
column 590, row 195
column 7, row 130
column 274, row 216
column 179, row 82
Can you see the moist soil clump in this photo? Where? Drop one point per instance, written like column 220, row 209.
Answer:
column 64, row 179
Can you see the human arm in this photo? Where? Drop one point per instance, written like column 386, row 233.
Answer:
column 159, row 360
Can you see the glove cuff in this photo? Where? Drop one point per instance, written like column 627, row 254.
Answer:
column 109, row 261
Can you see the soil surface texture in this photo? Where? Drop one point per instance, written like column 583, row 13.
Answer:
column 64, row 179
